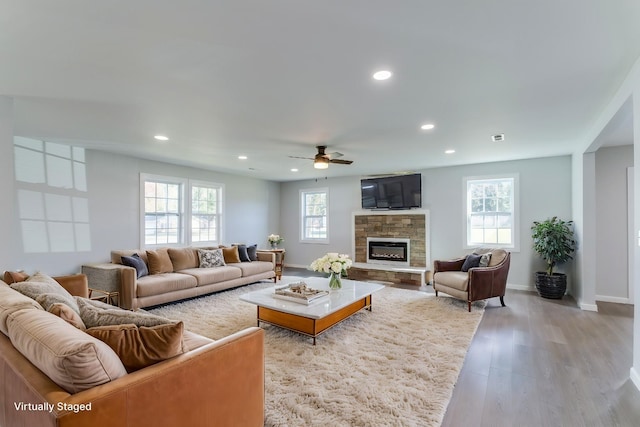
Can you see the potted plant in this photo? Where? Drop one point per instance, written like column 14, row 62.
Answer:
column 553, row 241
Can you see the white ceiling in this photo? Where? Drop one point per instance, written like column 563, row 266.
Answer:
column 269, row 79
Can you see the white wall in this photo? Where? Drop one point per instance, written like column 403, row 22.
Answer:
column 612, row 265
column 545, row 188
column 113, row 182
column 7, row 193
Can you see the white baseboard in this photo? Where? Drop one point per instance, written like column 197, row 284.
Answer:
column 305, row 266
column 517, row 287
column 635, row 377
column 618, row 300
column 588, row 307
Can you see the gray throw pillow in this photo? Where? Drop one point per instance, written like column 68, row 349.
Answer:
column 39, row 284
column 95, row 313
column 471, row 261
column 484, row 260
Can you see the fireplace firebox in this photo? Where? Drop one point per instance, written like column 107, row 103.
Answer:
column 391, row 251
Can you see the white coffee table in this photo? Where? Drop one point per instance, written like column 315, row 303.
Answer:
column 313, row 319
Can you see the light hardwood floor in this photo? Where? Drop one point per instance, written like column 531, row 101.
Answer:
column 540, row 362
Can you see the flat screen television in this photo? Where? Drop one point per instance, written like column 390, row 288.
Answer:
column 392, row 192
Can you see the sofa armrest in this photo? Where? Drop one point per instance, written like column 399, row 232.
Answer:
column 220, row 383
column 451, row 265
column 75, row 284
column 267, row 256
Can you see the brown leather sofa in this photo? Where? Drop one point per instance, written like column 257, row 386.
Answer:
column 478, row 283
column 215, row 383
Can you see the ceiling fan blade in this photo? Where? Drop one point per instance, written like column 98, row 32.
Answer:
column 334, row 155
column 341, row 162
column 306, row 158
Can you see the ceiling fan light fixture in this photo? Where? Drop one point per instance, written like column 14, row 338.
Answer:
column 321, row 163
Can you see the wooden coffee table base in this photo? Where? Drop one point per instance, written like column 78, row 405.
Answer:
column 309, row 326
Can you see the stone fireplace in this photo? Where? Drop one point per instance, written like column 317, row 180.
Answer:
column 388, row 251
column 391, row 246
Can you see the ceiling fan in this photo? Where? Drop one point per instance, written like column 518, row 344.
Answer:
column 322, row 159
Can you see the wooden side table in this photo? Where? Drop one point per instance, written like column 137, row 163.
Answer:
column 279, row 261
column 104, row 296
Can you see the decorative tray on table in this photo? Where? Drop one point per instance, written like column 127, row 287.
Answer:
column 299, row 292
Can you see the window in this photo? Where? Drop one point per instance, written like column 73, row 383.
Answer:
column 491, row 215
column 314, row 206
column 179, row 211
column 205, row 213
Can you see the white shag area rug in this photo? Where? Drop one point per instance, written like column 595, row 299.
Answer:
column 394, row 366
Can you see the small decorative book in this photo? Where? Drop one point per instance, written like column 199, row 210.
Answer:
column 299, row 292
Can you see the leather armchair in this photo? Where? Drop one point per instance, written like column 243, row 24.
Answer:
column 478, row 283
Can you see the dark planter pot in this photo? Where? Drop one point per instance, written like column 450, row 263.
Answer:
column 553, row 286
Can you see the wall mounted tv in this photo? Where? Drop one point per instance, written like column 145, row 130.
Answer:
column 392, row 192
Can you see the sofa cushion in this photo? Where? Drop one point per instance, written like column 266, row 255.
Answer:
column 182, row 258
column 136, row 262
column 485, row 259
column 69, row 357
column 497, row 256
column 42, row 284
column 163, row 283
column 191, row 341
column 454, row 279
column 10, row 301
column 471, row 261
column 209, row 276
column 143, row 346
column 64, row 312
column 95, row 313
column 15, row 276
column 251, row 268
column 231, row 254
column 209, row 258
column 159, row 261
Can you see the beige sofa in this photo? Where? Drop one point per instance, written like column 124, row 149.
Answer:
column 183, row 279
column 212, row 383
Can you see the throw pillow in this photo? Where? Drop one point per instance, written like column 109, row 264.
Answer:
column 243, row 253
column 143, row 346
column 210, row 258
column 136, row 262
column 471, row 261
column 46, row 300
column 252, row 251
column 15, row 276
column 231, row 255
column 42, row 284
column 65, row 313
column 159, row 261
column 94, row 313
column 485, row 259
column 69, row 357
column 183, row 258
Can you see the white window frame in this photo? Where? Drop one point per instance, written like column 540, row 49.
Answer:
column 515, row 212
column 303, row 216
column 185, row 213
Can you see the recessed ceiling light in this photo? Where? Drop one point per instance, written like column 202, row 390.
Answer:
column 450, row 151
column 242, row 157
column 382, row 75
column 294, row 170
column 498, row 137
column 427, row 126
column 161, row 138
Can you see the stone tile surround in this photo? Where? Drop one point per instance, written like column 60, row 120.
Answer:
column 408, row 224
